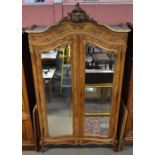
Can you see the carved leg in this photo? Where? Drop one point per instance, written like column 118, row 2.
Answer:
column 120, row 146
column 42, row 145
column 116, row 145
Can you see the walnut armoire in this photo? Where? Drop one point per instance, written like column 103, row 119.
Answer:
column 78, row 68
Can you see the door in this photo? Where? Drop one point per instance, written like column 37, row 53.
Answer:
column 97, row 90
column 57, row 82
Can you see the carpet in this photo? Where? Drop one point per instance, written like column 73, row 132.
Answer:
column 96, row 125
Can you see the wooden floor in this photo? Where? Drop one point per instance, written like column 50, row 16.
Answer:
column 128, row 150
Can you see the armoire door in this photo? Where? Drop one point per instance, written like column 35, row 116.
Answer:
column 99, row 68
column 56, row 68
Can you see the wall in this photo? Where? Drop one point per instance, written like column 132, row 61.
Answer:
column 48, row 14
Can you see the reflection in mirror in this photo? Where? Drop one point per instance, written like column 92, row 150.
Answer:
column 56, row 72
column 99, row 69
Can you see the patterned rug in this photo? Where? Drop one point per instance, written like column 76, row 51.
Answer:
column 96, row 125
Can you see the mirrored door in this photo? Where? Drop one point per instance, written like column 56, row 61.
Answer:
column 99, row 72
column 57, row 81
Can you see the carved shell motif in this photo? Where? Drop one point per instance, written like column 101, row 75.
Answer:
column 77, row 15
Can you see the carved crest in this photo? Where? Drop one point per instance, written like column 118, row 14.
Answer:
column 78, row 14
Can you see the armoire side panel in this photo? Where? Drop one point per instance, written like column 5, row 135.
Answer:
column 125, row 132
column 27, row 131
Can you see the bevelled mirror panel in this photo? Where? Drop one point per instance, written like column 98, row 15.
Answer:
column 56, row 73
